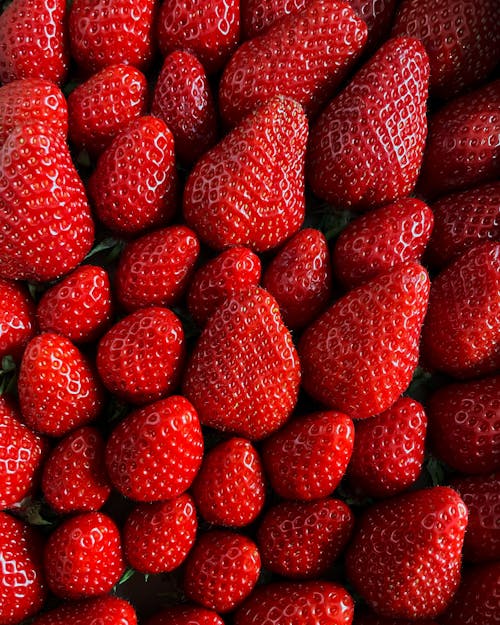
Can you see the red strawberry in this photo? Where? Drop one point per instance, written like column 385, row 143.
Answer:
column 157, row 537
column 249, row 189
column 134, row 185
column 33, row 41
column 78, row 307
column 290, row 60
column 299, row 277
column 104, row 105
column 369, row 618
column 405, row 557
column 140, row 358
column 461, row 331
column 155, row 452
column 209, row 29
column 221, row 570
column 464, row 424
column 74, row 475
column 186, row 615
column 17, row 319
column 462, row 46
column 304, row 539
column 45, row 224
column 155, row 269
column 236, row 269
column 183, row 100
column 389, row 450
column 108, row 610
column 58, row 389
column 360, row 355
column 366, row 147
column 22, row 590
column 382, row 239
column 244, row 372
column 83, row 556
column 229, row 488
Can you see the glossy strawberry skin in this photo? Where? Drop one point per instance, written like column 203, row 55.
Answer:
column 358, row 360
column 244, row 372
column 156, row 451
column 249, row 189
column 378, row 17
column 17, row 319
column 186, row 615
column 107, row 610
column 381, row 112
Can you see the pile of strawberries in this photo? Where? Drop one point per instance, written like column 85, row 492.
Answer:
column 250, row 312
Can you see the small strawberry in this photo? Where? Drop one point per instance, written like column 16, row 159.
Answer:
column 155, row 452
column 186, row 615
column 107, row 610
column 17, row 319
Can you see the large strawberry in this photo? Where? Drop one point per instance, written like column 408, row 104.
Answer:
column 186, row 614
column 17, row 319
column 107, row 610
column 366, row 148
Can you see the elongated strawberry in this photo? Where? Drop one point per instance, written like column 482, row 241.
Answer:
column 366, row 147
column 186, row 615
column 107, row 610
column 17, row 319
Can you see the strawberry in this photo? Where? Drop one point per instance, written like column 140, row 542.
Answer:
column 17, row 319
column 157, row 537
column 236, row 269
column 155, row 269
column 140, row 358
column 105, row 104
column 360, row 355
column 58, row 389
column 389, row 450
column 460, row 335
column 156, row 451
column 183, row 100
column 107, row 610
column 186, row 615
column 221, row 570
column 33, row 43
column 290, row 60
column 83, row 556
column 405, row 557
column 299, row 277
column 382, row 239
column 134, row 185
column 229, row 488
column 366, row 147
column 244, row 373
column 249, row 189
column 304, row 539
column 78, row 307
column 74, row 475
column 45, row 224
column 22, row 587
column 209, row 29
column 464, row 421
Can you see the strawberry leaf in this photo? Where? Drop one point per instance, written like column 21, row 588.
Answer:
column 436, row 471
column 126, row 576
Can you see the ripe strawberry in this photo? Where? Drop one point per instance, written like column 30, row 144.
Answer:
column 290, row 60
column 22, row 588
column 299, row 277
column 107, row 610
column 140, row 358
column 304, row 539
column 157, row 537
column 209, row 29
column 389, row 450
column 58, row 389
column 83, row 556
column 78, row 307
column 45, row 224
column 17, row 319
column 244, row 373
column 360, row 355
column 134, row 185
column 229, row 488
column 221, row 570
column 33, row 43
column 464, row 423
column 186, row 615
column 104, row 105
column 74, row 475
column 155, row 269
column 237, row 269
column 183, row 100
column 366, row 147
column 460, row 335
column 155, row 452
column 249, row 189
column 382, row 239
column 405, row 557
